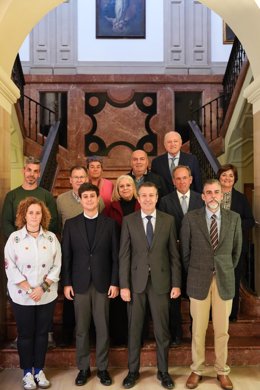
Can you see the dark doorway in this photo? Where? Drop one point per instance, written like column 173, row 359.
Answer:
column 185, row 104
column 57, row 102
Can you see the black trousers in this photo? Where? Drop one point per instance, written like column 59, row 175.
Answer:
column 68, row 316
column 175, row 318
column 238, row 274
column 33, row 323
column 118, row 323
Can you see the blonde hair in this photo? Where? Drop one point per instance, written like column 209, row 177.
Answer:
column 22, row 209
column 115, row 194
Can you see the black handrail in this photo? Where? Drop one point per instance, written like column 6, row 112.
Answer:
column 48, row 157
column 236, row 60
column 208, row 163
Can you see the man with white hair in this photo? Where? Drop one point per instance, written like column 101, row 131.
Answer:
column 164, row 164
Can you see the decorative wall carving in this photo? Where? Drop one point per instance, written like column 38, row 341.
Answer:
column 125, row 122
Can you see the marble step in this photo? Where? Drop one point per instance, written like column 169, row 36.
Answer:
column 243, row 350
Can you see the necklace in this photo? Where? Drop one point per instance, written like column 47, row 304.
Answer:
column 36, row 231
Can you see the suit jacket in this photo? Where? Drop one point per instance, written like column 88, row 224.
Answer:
column 240, row 205
column 160, row 165
column 82, row 264
column 170, row 204
column 135, row 256
column 157, row 180
column 199, row 258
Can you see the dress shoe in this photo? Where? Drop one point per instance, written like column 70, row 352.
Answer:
column 176, row 342
column 130, row 379
column 193, row 381
column 225, row 382
column 165, row 379
column 104, row 377
column 82, row 377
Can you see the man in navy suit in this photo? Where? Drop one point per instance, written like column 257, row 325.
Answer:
column 177, row 204
column 90, row 245
column 163, row 165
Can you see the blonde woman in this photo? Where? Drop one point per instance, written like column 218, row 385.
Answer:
column 124, row 199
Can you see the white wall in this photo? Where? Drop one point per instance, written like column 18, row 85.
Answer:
column 150, row 49
column 24, row 51
column 142, row 50
column 219, row 52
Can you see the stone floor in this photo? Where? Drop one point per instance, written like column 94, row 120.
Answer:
column 245, row 377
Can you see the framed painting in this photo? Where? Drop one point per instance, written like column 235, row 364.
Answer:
column 120, row 19
column 228, row 35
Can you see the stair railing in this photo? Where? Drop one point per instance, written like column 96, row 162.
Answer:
column 48, row 158
column 211, row 116
column 235, row 63
column 33, row 112
column 199, row 146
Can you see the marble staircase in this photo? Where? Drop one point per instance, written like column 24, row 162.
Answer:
column 244, row 344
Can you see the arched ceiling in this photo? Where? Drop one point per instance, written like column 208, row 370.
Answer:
column 18, row 17
column 243, row 16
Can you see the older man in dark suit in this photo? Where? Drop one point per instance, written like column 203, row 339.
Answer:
column 163, row 165
column 149, row 269
column 141, row 173
column 177, row 204
column 90, row 277
column 211, row 241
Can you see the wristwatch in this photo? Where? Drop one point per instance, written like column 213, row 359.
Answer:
column 29, row 291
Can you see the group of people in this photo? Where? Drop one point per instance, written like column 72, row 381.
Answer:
column 154, row 235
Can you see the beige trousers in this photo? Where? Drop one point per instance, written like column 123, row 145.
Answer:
column 200, row 310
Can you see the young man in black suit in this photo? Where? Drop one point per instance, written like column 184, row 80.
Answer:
column 90, row 278
column 163, row 165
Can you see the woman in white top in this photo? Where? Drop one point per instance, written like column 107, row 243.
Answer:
column 32, row 263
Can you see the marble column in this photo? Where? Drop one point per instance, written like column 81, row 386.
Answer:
column 9, row 94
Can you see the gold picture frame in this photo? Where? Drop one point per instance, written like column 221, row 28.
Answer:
column 228, row 34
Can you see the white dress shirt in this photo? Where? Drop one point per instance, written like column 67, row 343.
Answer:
column 145, row 220
column 176, row 159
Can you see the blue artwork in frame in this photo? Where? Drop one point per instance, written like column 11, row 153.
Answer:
column 120, row 19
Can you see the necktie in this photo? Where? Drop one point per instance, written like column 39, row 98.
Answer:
column 172, row 164
column 213, row 232
column 184, row 205
column 149, row 230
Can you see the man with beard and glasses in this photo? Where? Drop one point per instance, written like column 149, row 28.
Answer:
column 211, row 240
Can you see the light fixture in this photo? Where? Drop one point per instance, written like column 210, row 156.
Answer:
column 257, row 3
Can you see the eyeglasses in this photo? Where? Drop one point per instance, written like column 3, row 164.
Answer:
column 79, row 177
